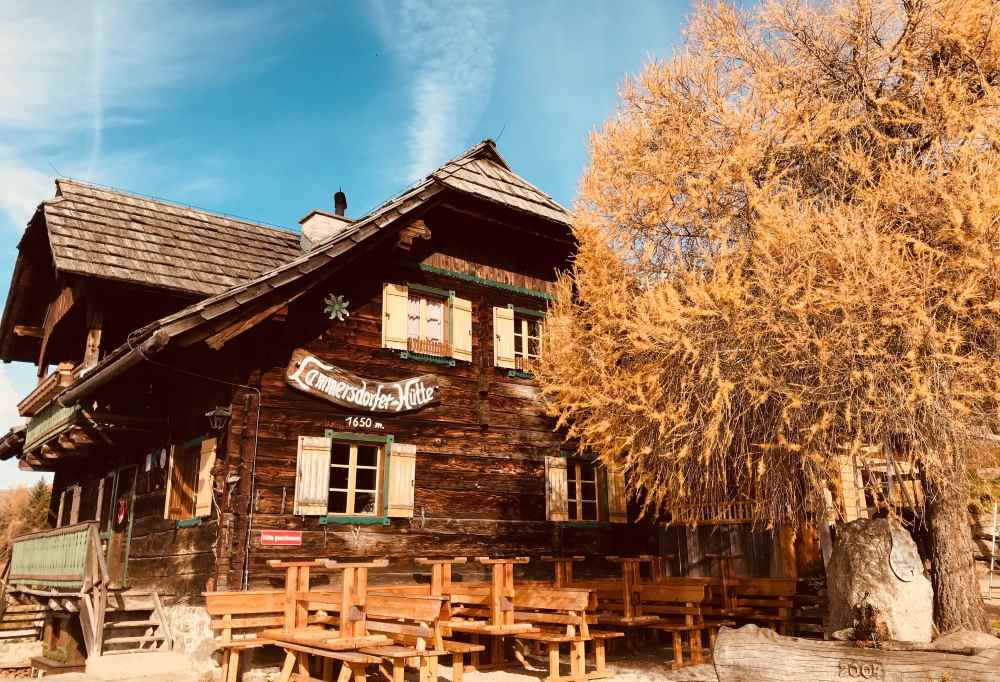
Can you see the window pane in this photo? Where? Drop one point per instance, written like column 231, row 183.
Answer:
column 338, row 477
column 337, row 503
column 341, row 454
column 572, row 511
column 364, row 503
column 589, row 491
column 518, row 344
column 367, row 456
column 413, row 318
column 435, row 319
column 533, row 327
column 589, row 511
column 533, row 348
column 364, row 479
column 588, row 472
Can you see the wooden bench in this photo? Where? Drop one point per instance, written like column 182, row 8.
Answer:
column 240, row 617
column 413, row 623
column 767, row 600
column 679, row 608
column 557, row 616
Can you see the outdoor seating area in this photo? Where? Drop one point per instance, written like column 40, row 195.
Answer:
column 351, row 628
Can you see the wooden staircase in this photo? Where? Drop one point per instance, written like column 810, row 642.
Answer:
column 135, row 622
column 63, row 571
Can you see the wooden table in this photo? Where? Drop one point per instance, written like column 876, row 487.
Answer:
column 299, row 641
column 563, row 567
column 724, row 563
column 659, row 567
column 441, row 573
column 631, row 595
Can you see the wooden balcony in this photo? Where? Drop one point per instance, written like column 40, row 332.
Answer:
column 429, row 347
column 735, row 512
column 47, row 388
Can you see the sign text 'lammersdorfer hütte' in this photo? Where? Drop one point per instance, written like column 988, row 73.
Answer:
column 308, row 373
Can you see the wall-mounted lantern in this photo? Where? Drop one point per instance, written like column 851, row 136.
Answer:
column 218, row 417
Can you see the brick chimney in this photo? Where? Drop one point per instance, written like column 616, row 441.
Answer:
column 319, row 226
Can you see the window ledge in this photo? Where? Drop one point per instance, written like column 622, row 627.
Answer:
column 334, row 519
column 189, row 523
column 421, row 357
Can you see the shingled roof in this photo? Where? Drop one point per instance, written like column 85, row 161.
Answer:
column 481, row 169
column 116, row 235
column 482, row 172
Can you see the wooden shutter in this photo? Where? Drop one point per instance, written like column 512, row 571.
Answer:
column 461, row 329
column 172, row 508
column 402, row 475
column 617, row 500
column 206, row 460
column 556, row 502
column 395, row 301
column 312, row 475
column 503, row 338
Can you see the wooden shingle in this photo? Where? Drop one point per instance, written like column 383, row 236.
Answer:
column 115, row 235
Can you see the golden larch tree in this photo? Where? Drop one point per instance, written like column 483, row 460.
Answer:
column 788, row 255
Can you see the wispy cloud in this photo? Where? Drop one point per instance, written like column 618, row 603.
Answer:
column 74, row 72
column 449, row 50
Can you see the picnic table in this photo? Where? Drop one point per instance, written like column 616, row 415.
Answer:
column 563, row 568
column 631, row 612
column 349, row 642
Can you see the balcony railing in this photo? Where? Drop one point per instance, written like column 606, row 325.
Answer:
column 47, row 388
column 429, row 347
column 62, row 558
column 737, row 511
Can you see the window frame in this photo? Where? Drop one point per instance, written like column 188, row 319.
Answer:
column 524, row 361
column 352, row 470
column 575, row 500
column 191, row 452
column 423, row 344
column 382, row 517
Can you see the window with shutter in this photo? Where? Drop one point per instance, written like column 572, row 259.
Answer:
column 189, row 480
column 503, row 338
column 527, row 341
column 427, row 323
column 395, row 316
column 355, row 477
column 556, row 502
column 312, row 476
column 460, row 316
column 581, row 490
column 402, row 478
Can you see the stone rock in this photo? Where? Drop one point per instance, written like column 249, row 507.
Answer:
column 16, row 654
column 191, row 628
column 876, row 584
column 965, row 639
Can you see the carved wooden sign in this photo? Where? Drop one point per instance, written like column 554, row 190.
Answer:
column 328, row 382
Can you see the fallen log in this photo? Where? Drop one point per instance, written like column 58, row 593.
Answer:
column 752, row 654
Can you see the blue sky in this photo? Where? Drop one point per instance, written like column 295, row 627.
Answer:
column 264, row 110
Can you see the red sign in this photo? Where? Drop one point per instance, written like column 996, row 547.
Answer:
column 280, row 538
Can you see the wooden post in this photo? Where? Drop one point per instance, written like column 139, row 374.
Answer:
column 440, row 573
column 563, row 569
column 502, row 588
column 632, row 602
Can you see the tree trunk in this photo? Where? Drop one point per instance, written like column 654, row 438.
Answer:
column 958, row 604
column 758, row 655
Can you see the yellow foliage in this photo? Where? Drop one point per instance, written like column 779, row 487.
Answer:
column 788, row 251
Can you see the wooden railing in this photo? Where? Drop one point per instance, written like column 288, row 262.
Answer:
column 737, row 511
column 525, row 364
column 429, row 347
column 59, row 378
column 65, row 563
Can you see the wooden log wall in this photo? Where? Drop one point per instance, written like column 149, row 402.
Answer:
column 480, row 484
